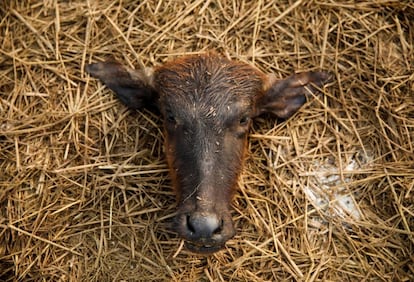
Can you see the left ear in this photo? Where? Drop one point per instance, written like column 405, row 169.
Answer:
column 132, row 87
column 284, row 97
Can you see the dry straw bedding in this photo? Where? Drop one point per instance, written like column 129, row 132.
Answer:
column 324, row 196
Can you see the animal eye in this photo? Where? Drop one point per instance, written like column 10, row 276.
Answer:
column 170, row 118
column 244, row 120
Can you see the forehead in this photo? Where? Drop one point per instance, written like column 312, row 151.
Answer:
column 207, row 80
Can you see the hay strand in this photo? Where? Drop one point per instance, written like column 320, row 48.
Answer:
column 324, row 196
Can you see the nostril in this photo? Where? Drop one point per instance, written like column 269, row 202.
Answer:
column 190, row 225
column 219, row 228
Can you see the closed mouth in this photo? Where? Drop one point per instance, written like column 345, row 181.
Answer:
column 203, row 248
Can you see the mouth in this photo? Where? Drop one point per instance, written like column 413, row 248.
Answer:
column 203, row 248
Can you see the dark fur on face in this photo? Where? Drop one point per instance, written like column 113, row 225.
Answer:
column 208, row 103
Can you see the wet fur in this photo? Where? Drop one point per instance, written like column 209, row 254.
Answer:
column 207, row 103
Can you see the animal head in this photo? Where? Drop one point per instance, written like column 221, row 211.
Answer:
column 207, row 103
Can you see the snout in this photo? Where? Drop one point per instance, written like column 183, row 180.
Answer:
column 205, row 232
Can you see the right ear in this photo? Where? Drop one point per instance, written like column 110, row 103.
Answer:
column 132, row 87
column 284, row 97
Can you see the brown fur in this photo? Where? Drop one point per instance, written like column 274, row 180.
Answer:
column 189, row 81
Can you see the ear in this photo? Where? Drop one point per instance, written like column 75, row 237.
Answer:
column 284, row 97
column 132, row 87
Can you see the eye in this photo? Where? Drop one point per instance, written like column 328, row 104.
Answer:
column 170, row 118
column 244, row 120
